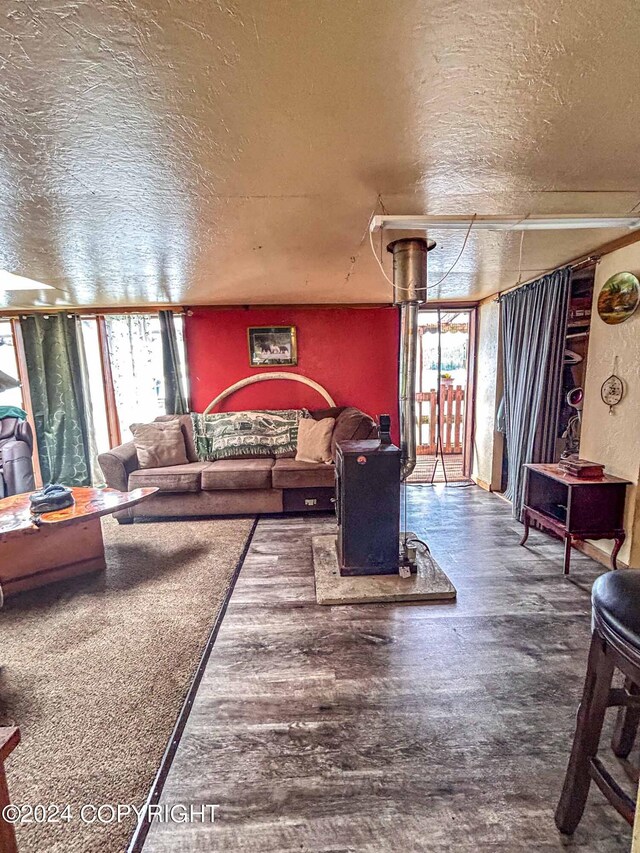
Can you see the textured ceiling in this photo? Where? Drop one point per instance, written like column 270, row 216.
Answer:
column 202, row 151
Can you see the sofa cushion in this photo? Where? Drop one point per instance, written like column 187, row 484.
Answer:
column 291, row 474
column 352, row 425
column 174, row 478
column 186, row 424
column 237, row 474
column 159, row 445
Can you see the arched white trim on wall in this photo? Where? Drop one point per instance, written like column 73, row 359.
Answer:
column 265, row 377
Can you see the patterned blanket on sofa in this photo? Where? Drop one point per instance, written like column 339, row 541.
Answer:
column 232, row 435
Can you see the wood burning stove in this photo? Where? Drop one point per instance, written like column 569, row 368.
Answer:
column 369, row 473
column 368, row 507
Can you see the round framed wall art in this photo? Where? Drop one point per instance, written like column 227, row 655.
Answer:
column 619, row 298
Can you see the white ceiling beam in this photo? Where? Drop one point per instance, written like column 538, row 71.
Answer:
column 552, row 222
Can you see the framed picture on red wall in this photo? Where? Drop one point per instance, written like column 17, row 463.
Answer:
column 272, row 345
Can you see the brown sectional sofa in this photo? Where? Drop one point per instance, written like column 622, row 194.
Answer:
column 232, row 486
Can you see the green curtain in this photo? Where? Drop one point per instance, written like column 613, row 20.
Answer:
column 59, row 408
column 175, row 398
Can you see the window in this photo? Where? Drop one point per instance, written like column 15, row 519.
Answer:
column 9, row 365
column 132, row 352
column 135, row 354
column 91, row 341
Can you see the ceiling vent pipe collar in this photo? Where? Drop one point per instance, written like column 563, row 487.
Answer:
column 409, row 291
column 410, row 268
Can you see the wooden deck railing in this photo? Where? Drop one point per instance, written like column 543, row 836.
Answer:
column 451, row 419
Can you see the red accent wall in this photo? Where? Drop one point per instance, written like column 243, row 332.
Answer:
column 352, row 352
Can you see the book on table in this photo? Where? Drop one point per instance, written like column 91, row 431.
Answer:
column 581, row 468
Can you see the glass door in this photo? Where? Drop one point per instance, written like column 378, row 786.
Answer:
column 445, row 340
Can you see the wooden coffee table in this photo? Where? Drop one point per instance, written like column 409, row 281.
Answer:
column 62, row 544
column 9, row 739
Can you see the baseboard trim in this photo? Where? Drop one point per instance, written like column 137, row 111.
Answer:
column 482, row 483
column 597, row 554
column 142, row 829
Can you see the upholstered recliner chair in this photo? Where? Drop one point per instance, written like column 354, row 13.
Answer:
column 16, row 450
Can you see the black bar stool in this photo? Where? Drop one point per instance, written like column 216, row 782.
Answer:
column 615, row 644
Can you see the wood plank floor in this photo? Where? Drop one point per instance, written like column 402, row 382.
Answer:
column 393, row 727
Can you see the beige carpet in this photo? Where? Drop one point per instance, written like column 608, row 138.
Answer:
column 95, row 670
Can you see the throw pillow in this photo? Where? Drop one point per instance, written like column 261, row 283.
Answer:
column 187, row 432
column 332, row 412
column 314, row 440
column 352, row 425
column 254, row 434
column 159, row 444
